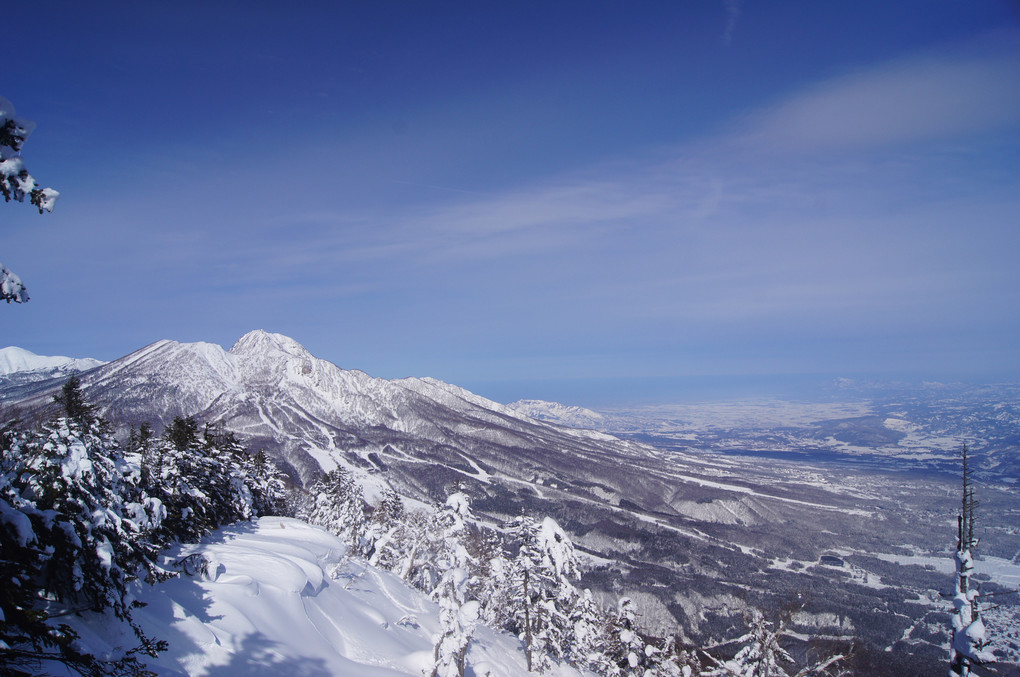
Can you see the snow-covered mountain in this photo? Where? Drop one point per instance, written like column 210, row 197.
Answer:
column 687, row 534
column 20, row 365
column 561, row 414
column 312, row 415
column 280, row 597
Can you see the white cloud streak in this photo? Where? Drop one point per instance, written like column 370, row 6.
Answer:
column 782, row 228
column 919, row 99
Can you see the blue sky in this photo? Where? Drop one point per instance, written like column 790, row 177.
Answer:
column 587, row 201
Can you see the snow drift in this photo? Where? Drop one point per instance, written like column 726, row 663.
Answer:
column 280, row 597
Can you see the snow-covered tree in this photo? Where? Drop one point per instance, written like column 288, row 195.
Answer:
column 969, row 641
column 668, row 659
column 76, row 525
column 458, row 614
column 590, row 644
column 494, row 569
column 234, row 493
column 632, row 645
column 142, row 443
column 383, row 530
column 11, row 286
column 205, row 482
column 267, row 485
column 75, row 472
column 337, row 504
column 26, row 637
column 410, row 545
column 760, row 654
column 540, row 574
column 16, row 184
column 182, row 475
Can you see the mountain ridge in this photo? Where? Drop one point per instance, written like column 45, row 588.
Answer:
column 268, row 384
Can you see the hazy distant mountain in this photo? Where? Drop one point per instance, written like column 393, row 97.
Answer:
column 899, row 427
column 14, row 360
column 561, row 414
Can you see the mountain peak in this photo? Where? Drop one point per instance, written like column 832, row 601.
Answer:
column 261, row 341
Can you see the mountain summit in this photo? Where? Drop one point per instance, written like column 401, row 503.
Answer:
column 266, row 344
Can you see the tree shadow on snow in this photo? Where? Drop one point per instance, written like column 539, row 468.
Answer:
column 258, row 658
column 182, row 597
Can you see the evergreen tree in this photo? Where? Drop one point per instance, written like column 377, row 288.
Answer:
column 629, row 646
column 75, row 406
column 142, row 443
column 26, row 635
column 969, row 642
column 205, row 483
column 540, row 576
column 81, row 520
column 75, row 536
column 761, row 655
column 232, row 493
column 390, row 509
column 182, row 433
column 494, row 572
column 382, row 535
column 670, row 660
column 458, row 614
column 590, row 646
column 75, row 470
column 419, row 546
column 179, row 470
column 267, row 485
column 338, row 505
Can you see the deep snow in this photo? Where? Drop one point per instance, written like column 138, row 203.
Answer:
column 280, row 597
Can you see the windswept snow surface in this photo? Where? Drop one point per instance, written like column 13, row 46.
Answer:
column 280, row 597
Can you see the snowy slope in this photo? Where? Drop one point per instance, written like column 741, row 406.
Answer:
column 16, row 360
column 281, row 598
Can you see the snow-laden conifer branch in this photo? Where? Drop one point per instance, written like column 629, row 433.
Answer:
column 15, row 181
column 11, row 287
column 15, row 184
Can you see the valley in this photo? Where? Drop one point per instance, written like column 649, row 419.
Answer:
column 839, row 515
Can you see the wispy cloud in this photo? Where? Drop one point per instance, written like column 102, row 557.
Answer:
column 733, row 13
column 933, row 97
column 748, row 235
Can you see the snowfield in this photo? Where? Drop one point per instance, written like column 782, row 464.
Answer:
column 280, row 597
